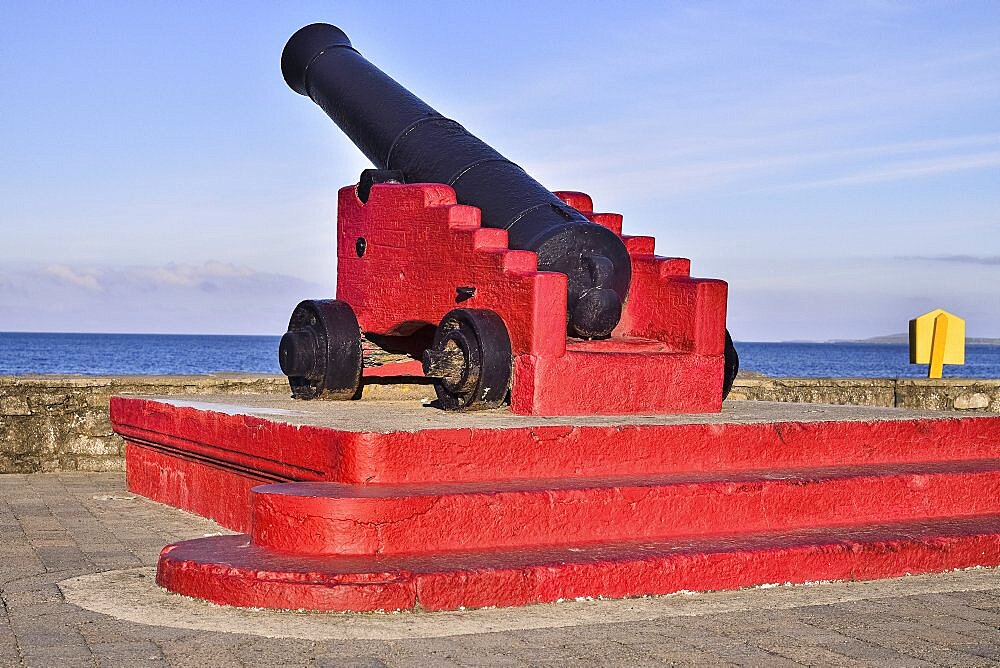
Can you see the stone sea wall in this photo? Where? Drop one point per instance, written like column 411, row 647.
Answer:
column 53, row 423
column 949, row 394
column 60, row 423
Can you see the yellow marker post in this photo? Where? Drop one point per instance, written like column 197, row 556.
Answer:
column 937, row 338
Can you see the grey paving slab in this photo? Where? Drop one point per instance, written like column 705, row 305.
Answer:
column 87, row 528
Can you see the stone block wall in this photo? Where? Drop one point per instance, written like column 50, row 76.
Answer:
column 53, row 423
column 947, row 394
column 59, row 423
column 851, row 391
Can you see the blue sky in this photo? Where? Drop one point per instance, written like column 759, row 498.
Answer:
column 838, row 163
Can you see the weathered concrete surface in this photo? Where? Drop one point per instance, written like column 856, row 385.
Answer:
column 51, row 423
column 56, row 527
column 385, row 416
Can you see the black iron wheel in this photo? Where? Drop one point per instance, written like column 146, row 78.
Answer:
column 470, row 360
column 321, row 351
column 732, row 366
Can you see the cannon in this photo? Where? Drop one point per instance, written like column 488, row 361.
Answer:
column 453, row 257
column 406, row 138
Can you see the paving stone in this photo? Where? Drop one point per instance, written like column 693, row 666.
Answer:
column 989, row 652
column 48, row 640
column 127, row 654
column 981, row 600
column 69, row 657
column 10, row 655
column 717, row 636
column 780, row 633
column 955, row 606
column 353, row 662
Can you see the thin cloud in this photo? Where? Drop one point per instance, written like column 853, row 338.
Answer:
column 174, row 277
column 989, row 260
column 86, row 278
column 707, row 163
column 213, row 297
column 900, row 171
column 189, row 276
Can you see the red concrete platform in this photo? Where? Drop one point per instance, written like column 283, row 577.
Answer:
column 392, row 505
column 666, row 355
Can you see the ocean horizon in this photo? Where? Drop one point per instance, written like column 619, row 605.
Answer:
column 26, row 353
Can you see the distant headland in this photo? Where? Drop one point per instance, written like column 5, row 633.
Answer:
column 905, row 338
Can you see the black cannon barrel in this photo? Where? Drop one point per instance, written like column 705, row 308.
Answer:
column 398, row 131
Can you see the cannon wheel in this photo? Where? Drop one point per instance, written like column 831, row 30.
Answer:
column 321, row 351
column 732, row 366
column 470, row 360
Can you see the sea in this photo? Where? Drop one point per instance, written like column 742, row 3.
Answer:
column 121, row 354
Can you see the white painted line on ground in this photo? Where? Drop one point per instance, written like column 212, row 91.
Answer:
column 132, row 595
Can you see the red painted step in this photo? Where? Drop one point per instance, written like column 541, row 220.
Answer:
column 332, row 518
column 181, row 450
column 389, row 505
column 400, row 442
column 229, row 570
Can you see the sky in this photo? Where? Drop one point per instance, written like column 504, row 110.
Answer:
column 837, row 163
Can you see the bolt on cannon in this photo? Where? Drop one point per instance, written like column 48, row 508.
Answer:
column 451, row 254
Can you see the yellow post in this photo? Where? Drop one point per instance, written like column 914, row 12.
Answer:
column 937, row 338
column 936, row 369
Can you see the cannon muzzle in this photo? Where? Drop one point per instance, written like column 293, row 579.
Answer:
column 398, row 131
